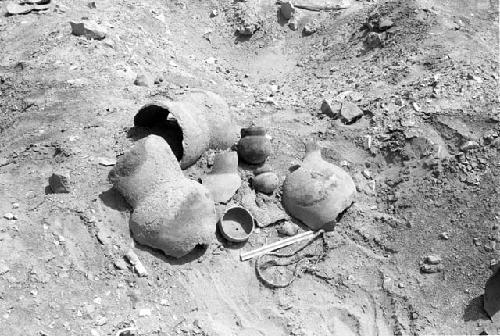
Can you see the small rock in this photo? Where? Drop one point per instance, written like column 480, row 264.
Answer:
column 91, row 5
column 330, row 108
column 9, row 216
column 431, row 268
column 416, row 107
column 350, row 112
column 60, row 183
column 401, row 285
column 293, row 24
column 127, row 332
column 101, row 320
column 367, row 142
column 468, row 145
column 121, row 264
column 16, row 9
column 310, row 29
column 3, row 161
column 287, row 10
column 15, row 205
column 106, row 161
column 385, row 23
column 91, row 31
column 3, row 267
column 444, row 236
column 39, row 8
column 367, row 174
column 490, row 246
column 142, row 80
column 214, row 13
column 476, row 241
column 373, row 40
column 432, row 259
column 288, row 229
column 134, row 261
column 144, row 312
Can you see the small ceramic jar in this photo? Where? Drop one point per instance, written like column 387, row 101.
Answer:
column 254, row 146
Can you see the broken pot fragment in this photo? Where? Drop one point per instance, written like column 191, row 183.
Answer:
column 171, row 212
column 224, row 180
column 318, row 191
column 191, row 125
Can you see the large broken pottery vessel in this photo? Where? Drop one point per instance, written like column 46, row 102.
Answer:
column 171, row 212
column 318, row 191
column 224, row 179
column 198, row 121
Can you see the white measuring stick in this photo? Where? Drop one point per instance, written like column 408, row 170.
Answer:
column 279, row 244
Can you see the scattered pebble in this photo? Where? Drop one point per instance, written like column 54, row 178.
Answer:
column 121, row 264
column 432, row 259
column 444, row 236
column 385, row 23
column 293, row 24
column 142, row 80
column 9, row 216
column 16, row 9
column 330, row 108
column 310, row 29
column 101, row 320
column 134, row 261
column 374, row 40
column 144, row 312
column 288, row 229
column 106, row 161
column 490, row 246
column 431, row 268
column 3, row 267
column 367, row 174
column 350, row 112
column 59, row 183
column 468, row 145
column 90, row 31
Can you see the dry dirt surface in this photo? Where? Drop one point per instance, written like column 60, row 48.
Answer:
column 424, row 155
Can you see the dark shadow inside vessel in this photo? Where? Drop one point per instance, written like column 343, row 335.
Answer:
column 154, row 119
